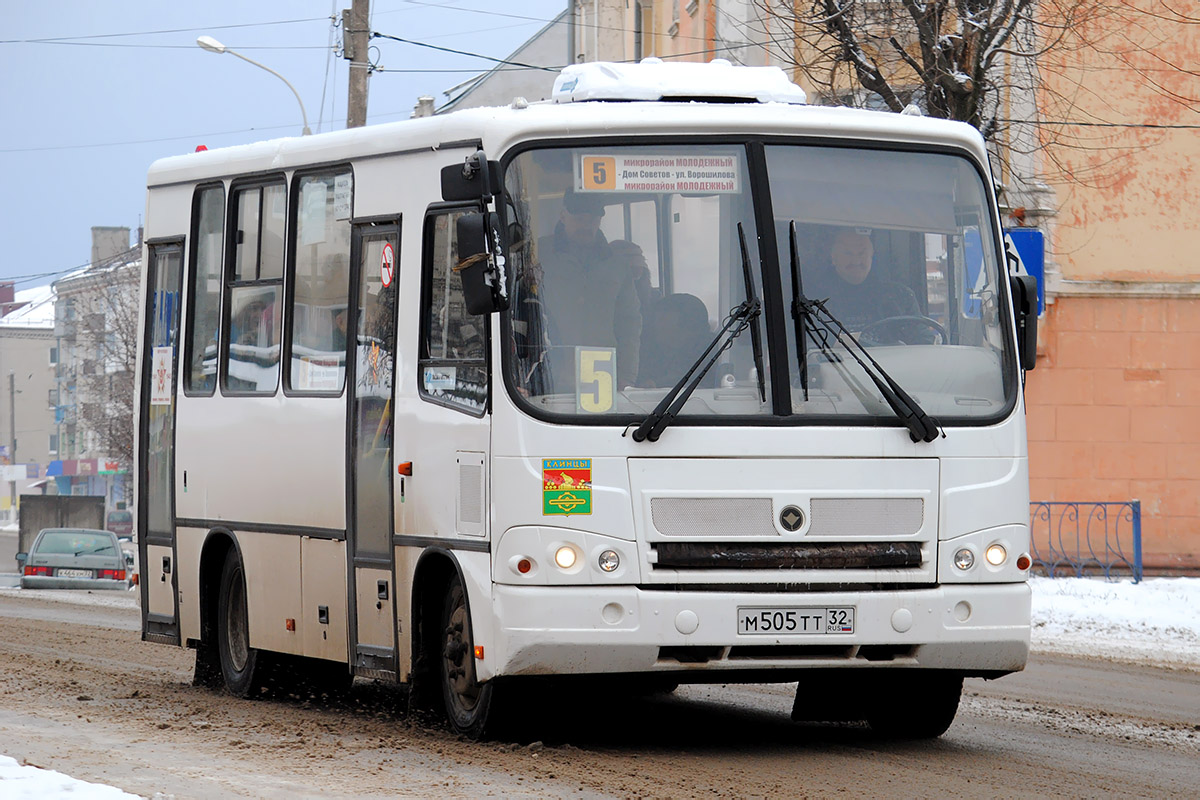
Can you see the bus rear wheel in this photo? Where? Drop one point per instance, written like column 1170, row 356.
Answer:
column 468, row 702
column 242, row 666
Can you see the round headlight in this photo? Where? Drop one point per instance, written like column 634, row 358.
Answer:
column 964, row 559
column 565, row 556
column 995, row 554
column 609, row 560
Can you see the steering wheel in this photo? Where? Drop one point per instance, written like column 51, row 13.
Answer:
column 877, row 332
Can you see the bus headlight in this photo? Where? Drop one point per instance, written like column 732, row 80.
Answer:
column 565, row 557
column 964, row 559
column 995, row 554
column 609, row 561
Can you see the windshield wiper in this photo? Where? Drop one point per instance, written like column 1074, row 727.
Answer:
column 755, row 334
column 921, row 426
column 799, row 312
column 738, row 320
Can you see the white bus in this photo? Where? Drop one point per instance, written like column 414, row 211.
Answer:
column 672, row 378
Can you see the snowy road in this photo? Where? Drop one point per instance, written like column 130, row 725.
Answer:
column 79, row 693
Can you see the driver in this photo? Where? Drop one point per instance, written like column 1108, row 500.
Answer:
column 858, row 297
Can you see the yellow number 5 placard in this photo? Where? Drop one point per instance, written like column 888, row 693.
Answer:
column 599, row 173
column 595, row 378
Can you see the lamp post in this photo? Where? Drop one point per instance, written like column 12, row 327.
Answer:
column 213, row 46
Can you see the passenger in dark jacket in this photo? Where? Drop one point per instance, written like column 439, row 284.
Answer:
column 587, row 291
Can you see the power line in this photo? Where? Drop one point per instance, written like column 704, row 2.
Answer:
column 43, row 40
column 28, row 278
column 175, row 46
column 1078, row 124
column 377, row 35
column 139, row 141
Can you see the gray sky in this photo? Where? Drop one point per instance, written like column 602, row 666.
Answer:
column 81, row 119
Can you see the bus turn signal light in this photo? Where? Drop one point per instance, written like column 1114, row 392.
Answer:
column 479, row 652
column 405, row 469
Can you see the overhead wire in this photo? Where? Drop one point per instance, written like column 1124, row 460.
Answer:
column 333, row 25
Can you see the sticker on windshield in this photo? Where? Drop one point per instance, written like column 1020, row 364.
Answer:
column 661, row 173
column 595, row 379
column 566, row 486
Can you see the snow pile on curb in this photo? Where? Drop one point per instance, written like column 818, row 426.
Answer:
column 1154, row 622
column 113, row 598
column 33, row 783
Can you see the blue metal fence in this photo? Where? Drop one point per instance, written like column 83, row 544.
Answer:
column 1087, row 539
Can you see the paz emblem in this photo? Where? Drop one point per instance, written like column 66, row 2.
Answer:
column 791, row 518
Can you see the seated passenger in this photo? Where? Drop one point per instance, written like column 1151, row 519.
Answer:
column 675, row 337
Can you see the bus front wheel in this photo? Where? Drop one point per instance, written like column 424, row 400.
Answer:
column 467, row 701
column 917, row 705
column 241, row 665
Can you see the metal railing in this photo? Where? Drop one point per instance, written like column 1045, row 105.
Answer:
column 1087, row 539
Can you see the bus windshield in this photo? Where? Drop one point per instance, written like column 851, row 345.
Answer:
column 625, row 262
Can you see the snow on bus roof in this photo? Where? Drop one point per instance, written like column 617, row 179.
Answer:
column 655, row 79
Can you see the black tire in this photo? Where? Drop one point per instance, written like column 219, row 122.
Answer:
column 468, row 702
column 918, row 705
column 243, row 667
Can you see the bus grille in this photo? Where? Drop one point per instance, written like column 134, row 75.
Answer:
column 802, row 555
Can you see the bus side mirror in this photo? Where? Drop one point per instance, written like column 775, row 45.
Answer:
column 482, row 283
column 1025, row 306
column 475, row 179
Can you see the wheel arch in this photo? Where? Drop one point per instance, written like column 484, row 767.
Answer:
column 217, row 544
column 435, row 568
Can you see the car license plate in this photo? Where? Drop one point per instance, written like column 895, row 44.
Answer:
column 74, row 573
column 775, row 621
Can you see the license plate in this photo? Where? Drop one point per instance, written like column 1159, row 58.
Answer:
column 74, row 573
column 775, row 621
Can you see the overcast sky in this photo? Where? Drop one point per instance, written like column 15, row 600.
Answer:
column 82, row 117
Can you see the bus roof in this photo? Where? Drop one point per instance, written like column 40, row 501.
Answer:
column 498, row 128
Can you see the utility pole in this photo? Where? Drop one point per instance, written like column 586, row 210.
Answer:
column 12, row 426
column 356, row 34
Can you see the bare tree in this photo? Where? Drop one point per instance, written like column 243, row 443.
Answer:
column 104, row 354
column 974, row 60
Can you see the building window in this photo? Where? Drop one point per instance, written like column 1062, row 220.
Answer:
column 54, row 356
column 52, row 448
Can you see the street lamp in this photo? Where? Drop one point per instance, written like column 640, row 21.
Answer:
column 213, row 46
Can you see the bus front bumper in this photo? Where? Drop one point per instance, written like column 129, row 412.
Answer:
column 558, row 630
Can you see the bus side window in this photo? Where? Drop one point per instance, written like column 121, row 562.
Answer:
column 320, row 285
column 255, row 289
column 453, row 363
column 204, row 293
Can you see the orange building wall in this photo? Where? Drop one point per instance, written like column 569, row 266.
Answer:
column 1114, row 414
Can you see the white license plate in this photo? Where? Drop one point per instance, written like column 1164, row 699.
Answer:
column 782, row 621
column 74, row 573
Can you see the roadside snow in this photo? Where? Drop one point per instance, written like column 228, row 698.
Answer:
column 1154, row 622
column 34, row 783
column 113, row 598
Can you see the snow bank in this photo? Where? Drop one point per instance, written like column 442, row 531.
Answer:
column 1154, row 622
column 113, row 598
column 32, row 783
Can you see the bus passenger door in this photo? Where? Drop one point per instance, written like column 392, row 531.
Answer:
column 371, row 579
column 156, row 444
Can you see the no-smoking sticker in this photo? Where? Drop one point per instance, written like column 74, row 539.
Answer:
column 387, row 264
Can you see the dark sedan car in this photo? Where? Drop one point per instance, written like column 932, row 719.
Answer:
column 73, row 558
